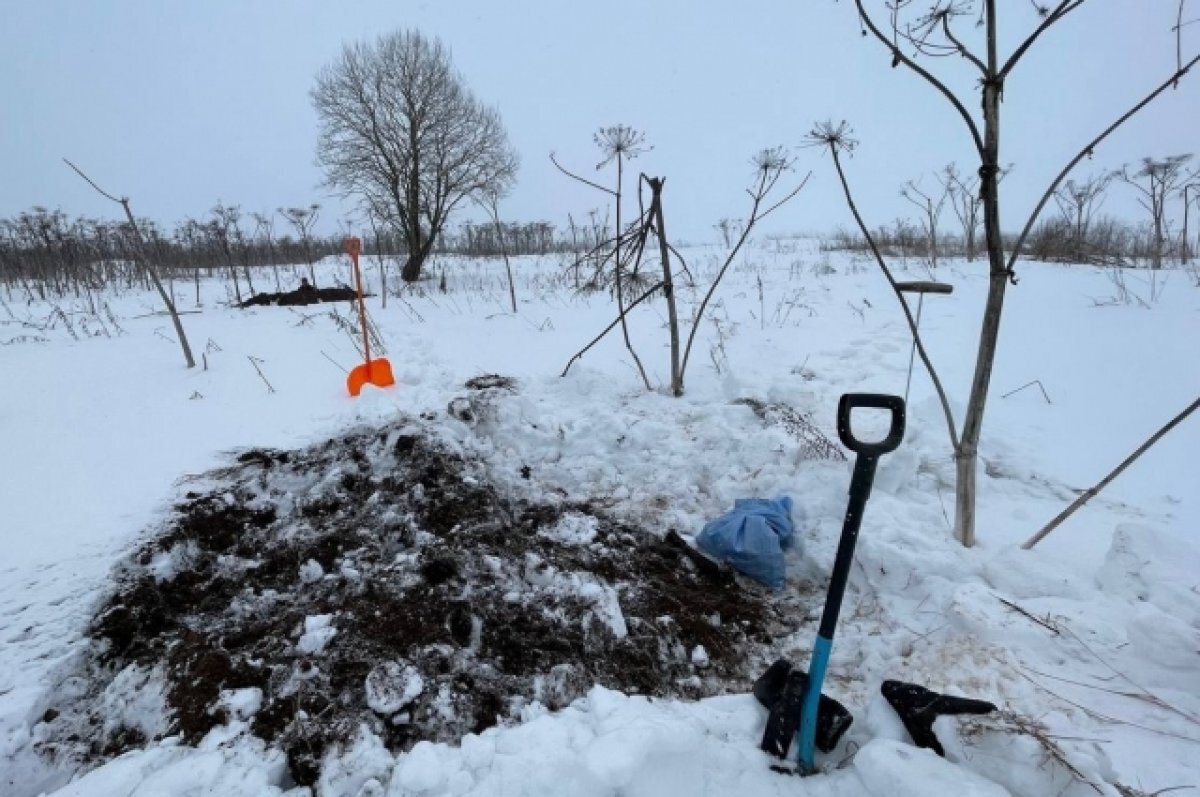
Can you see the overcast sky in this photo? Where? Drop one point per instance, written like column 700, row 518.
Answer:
column 181, row 104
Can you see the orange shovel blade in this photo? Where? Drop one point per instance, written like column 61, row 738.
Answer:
column 376, row 372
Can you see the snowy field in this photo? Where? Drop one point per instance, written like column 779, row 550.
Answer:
column 1090, row 643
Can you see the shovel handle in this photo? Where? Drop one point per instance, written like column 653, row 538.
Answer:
column 354, row 248
column 880, row 401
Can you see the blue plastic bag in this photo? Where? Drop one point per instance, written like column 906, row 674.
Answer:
column 752, row 538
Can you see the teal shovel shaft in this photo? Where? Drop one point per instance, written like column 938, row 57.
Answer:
column 860, row 491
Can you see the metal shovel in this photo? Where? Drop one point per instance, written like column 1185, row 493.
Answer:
column 860, row 490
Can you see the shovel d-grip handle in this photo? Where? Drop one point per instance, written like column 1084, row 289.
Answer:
column 860, row 490
column 877, row 401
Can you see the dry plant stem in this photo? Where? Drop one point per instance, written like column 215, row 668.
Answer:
column 608, row 328
column 493, row 206
column 1037, row 732
column 899, row 56
column 583, row 180
column 1092, row 492
column 622, row 311
column 1061, row 10
column 620, row 280
column 1043, row 623
column 1142, row 693
column 380, row 258
column 758, row 194
column 1087, row 150
column 255, row 361
column 1102, row 717
column 656, row 186
column 912, row 324
column 146, row 264
column 605, row 246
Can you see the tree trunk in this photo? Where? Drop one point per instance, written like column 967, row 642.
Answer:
column 411, row 271
column 412, row 229
column 967, row 455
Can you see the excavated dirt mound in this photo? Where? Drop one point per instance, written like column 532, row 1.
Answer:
column 377, row 578
column 301, row 296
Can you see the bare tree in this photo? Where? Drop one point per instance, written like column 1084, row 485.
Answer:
column 1156, row 181
column 227, row 232
column 936, row 33
column 401, row 130
column 729, row 230
column 931, row 206
column 963, row 194
column 264, row 226
column 1078, row 202
column 966, row 202
column 147, row 264
column 302, row 220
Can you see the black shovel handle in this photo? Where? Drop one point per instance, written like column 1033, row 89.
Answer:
column 860, row 490
column 879, row 401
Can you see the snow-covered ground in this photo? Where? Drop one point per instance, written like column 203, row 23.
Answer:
column 1090, row 643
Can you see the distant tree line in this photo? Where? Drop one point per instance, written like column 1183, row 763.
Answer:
column 1074, row 231
column 47, row 253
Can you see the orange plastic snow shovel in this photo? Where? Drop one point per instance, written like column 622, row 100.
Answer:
column 376, row 372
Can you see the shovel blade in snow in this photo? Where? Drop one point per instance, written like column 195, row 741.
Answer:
column 376, row 372
column 918, row 707
column 781, row 690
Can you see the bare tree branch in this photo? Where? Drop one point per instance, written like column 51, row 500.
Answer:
column 583, row 180
column 837, row 138
column 1091, row 493
column 1061, row 10
column 1086, row 151
column 901, row 58
column 140, row 248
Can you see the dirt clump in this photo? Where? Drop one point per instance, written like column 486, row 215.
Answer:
column 297, row 578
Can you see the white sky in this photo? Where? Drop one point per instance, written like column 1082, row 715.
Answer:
column 179, row 105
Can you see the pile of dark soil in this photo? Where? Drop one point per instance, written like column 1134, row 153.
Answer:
column 301, row 296
column 377, row 578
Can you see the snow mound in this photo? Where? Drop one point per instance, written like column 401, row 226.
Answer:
column 427, row 606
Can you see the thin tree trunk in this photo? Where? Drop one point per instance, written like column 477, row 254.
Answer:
column 967, row 454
